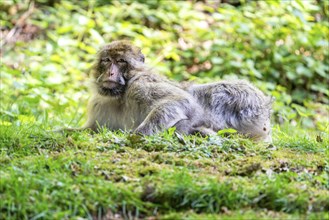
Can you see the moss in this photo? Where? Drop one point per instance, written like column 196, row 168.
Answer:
column 82, row 174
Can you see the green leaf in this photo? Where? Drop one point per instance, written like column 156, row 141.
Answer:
column 227, row 131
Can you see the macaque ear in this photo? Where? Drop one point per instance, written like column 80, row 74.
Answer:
column 138, row 58
column 140, row 55
column 142, row 58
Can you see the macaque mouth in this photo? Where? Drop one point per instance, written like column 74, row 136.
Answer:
column 111, row 84
column 116, row 90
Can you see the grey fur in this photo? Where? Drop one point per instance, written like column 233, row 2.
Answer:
column 148, row 103
column 235, row 104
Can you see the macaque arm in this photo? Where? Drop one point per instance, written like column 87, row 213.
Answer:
column 85, row 127
column 165, row 115
column 90, row 124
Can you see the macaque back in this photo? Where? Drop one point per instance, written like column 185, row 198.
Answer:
column 236, row 104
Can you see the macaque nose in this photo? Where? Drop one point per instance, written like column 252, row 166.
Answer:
column 113, row 70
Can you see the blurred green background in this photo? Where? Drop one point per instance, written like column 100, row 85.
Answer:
column 47, row 48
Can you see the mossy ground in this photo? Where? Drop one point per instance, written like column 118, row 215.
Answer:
column 47, row 175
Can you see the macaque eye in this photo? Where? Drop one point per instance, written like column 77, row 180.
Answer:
column 121, row 61
column 105, row 60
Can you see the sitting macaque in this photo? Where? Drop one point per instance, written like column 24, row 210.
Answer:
column 128, row 95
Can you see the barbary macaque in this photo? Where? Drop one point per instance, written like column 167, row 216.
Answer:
column 235, row 104
column 128, row 95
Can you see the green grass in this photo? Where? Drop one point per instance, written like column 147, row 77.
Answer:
column 51, row 175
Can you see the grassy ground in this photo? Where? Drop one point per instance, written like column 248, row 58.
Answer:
column 46, row 175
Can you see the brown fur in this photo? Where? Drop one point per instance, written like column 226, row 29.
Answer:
column 147, row 103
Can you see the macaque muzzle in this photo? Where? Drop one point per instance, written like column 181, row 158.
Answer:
column 110, row 84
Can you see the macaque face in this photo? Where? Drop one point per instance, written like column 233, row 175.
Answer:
column 110, row 78
column 113, row 66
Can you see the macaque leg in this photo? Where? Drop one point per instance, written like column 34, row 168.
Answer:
column 163, row 117
column 187, row 127
column 87, row 126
